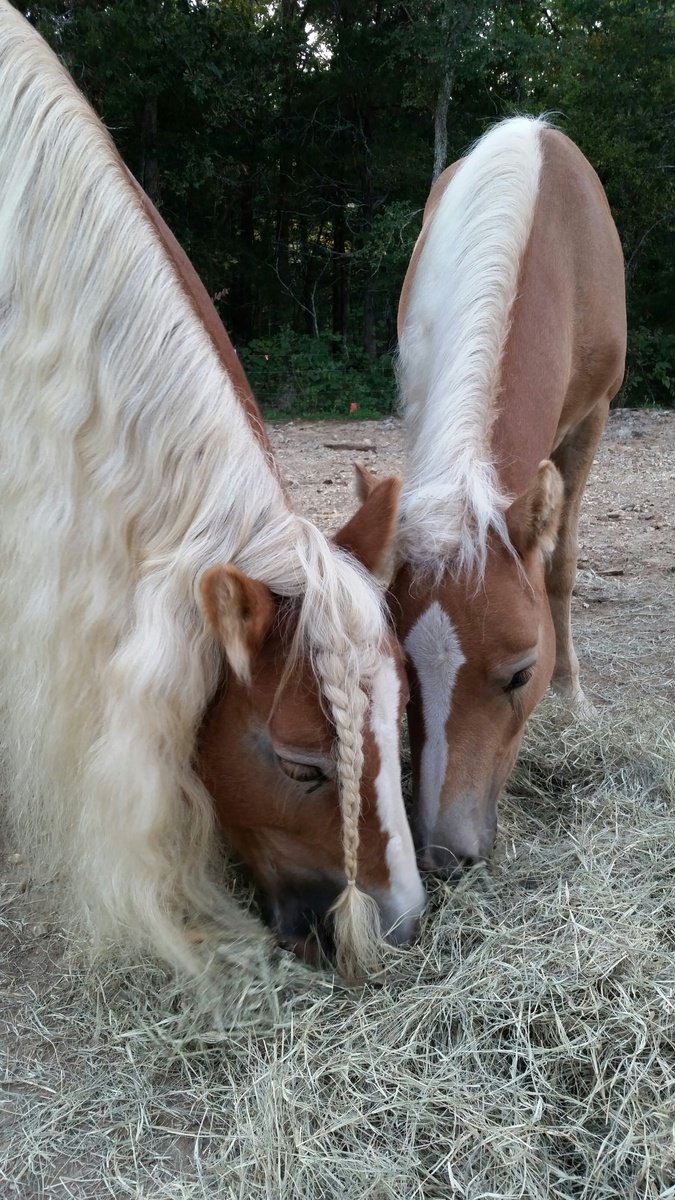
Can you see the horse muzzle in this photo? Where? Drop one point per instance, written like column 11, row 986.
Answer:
column 300, row 916
column 464, row 833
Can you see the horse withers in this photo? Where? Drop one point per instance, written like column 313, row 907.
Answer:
column 180, row 648
column 512, row 332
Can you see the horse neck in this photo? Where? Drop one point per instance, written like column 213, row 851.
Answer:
column 459, row 304
column 566, row 344
column 537, row 355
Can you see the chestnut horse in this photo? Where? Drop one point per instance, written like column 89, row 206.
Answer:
column 168, row 621
column 512, row 332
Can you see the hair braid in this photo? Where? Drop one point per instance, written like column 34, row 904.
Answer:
column 341, row 623
column 356, row 916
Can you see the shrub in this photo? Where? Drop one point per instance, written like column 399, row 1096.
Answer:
column 293, row 374
column 650, row 368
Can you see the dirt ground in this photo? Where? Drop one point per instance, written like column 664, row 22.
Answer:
column 624, row 603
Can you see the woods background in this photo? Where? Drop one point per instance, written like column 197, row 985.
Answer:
column 291, row 146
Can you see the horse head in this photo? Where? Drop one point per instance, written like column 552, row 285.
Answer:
column 301, row 755
column 480, row 655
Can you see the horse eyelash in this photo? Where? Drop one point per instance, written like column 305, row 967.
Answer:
column 319, row 783
column 314, row 782
column 526, row 674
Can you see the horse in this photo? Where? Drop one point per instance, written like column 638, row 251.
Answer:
column 512, row 337
column 184, row 656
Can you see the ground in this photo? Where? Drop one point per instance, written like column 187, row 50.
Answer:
column 437, row 1086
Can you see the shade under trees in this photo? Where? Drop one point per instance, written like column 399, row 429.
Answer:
column 291, row 146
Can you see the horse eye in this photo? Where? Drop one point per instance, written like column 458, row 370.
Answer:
column 302, row 772
column 519, row 679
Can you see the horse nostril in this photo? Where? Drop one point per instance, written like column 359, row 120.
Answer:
column 463, row 835
column 441, row 859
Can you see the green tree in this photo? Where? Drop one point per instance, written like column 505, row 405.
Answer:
column 291, row 145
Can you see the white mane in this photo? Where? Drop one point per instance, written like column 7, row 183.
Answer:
column 455, row 330
column 127, row 467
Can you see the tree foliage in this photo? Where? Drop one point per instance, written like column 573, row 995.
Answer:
column 291, row 145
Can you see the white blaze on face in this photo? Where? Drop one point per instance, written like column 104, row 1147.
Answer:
column 435, row 652
column 407, row 897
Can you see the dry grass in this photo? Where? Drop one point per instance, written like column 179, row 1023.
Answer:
column 524, row 1048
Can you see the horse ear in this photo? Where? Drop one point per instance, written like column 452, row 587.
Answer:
column 366, row 481
column 534, row 518
column 369, row 535
column 240, row 611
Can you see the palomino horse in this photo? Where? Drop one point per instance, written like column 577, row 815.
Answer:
column 512, row 334
column 155, row 581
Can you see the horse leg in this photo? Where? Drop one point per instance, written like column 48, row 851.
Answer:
column 573, row 458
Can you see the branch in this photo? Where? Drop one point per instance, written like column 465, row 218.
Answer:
column 632, row 262
column 549, row 21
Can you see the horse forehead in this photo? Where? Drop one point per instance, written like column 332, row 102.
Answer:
column 465, row 621
column 298, row 721
column 296, row 712
column 433, row 645
column 388, row 690
column 498, row 609
column 392, row 666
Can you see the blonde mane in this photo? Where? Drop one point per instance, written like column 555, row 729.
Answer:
column 127, row 468
column 451, row 348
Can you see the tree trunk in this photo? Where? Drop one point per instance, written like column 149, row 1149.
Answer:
column 309, row 317
column 340, row 276
column 451, row 36
column 289, row 19
column 242, row 295
column 441, row 125
column 369, row 322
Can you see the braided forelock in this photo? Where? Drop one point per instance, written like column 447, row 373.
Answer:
column 355, row 914
column 343, row 637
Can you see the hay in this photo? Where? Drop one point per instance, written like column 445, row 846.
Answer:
column 524, row 1048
